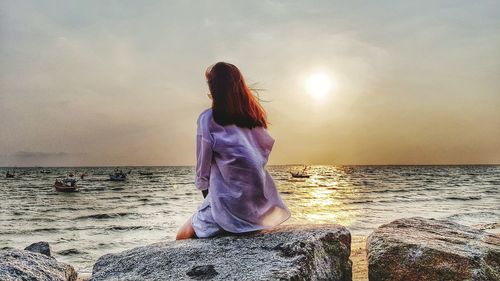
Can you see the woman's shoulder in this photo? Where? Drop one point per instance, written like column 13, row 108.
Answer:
column 204, row 116
column 207, row 111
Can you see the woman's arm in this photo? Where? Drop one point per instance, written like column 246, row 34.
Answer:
column 204, row 155
column 203, row 162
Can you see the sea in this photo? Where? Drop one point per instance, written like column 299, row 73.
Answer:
column 108, row 217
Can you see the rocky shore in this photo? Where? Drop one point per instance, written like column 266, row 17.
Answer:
column 33, row 263
column 426, row 249
column 405, row 249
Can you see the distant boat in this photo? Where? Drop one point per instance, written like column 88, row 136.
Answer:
column 45, row 172
column 118, row 176
column 301, row 174
column 9, row 175
column 66, row 185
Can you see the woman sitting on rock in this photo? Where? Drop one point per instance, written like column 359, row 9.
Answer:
column 232, row 150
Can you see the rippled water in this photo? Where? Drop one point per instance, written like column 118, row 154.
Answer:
column 105, row 216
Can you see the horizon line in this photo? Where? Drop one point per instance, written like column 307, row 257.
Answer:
column 292, row 164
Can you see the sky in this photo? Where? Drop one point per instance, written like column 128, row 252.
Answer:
column 104, row 83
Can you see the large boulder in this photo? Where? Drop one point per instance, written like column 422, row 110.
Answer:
column 26, row 265
column 287, row 252
column 428, row 249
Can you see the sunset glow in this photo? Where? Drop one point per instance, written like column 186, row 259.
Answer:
column 84, row 84
column 319, row 85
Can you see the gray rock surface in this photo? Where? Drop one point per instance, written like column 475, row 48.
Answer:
column 39, row 247
column 287, row 252
column 25, row 265
column 427, row 249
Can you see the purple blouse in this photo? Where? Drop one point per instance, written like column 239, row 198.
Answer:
column 231, row 165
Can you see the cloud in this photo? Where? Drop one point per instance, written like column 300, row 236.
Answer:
column 39, row 158
column 31, row 154
column 125, row 81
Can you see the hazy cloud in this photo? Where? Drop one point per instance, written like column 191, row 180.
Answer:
column 123, row 81
column 37, row 158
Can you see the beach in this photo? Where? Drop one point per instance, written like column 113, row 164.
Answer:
column 358, row 258
column 109, row 217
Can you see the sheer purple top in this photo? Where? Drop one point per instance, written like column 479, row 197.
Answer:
column 231, row 165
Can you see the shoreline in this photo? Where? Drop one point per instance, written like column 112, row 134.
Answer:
column 287, row 241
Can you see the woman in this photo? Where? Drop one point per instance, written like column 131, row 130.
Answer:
column 232, row 149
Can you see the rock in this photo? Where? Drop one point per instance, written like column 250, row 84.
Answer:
column 203, row 272
column 25, row 265
column 428, row 249
column 287, row 252
column 39, row 247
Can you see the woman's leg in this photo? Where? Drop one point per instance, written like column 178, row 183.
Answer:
column 186, row 231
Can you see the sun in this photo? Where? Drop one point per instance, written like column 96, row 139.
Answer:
column 319, row 84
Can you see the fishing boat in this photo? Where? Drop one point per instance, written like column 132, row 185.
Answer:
column 66, row 185
column 118, row 176
column 300, row 174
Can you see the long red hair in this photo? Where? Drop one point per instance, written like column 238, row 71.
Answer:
column 233, row 102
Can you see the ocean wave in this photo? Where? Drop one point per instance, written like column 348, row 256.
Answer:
column 125, row 228
column 157, row 204
column 104, row 216
column 182, row 182
column 46, row 229
column 463, row 216
column 71, row 252
column 464, row 198
column 69, row 209
column 361, row 201
column 485, row 226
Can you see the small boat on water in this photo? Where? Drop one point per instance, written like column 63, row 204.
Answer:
column 9, row 175
column 118, row 176
column 66, row 185
column 45, row 171
column 300, row 174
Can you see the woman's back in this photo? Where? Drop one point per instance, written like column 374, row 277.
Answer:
column 242, row 194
